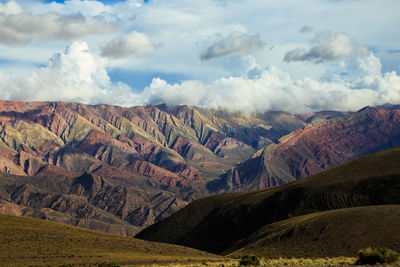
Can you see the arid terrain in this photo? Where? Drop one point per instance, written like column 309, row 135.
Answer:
column 329, row 183
column 119, row 169
column 333, row 213
column 199, row 133
column 34, row 242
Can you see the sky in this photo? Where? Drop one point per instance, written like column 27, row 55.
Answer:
column 238, row 55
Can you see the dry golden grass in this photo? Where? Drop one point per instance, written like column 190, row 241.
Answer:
column 227, row 263
column 317, row 262
column 340, row 261
column 35, row 242
column 333, row 233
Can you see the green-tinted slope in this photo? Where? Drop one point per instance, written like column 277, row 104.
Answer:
column 215, row 223
column 33, row 136
column 331, row 233
column 26, row 241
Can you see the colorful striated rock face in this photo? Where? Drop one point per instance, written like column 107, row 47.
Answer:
column 181, row 152
column 164, row 155
column 315, row 148
column 82, row 138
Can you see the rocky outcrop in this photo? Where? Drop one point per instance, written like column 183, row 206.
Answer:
column 165, row 177
column 7, row 207
column 232, row 148
column 191, row 150
column 88, row 201
column 186, row 171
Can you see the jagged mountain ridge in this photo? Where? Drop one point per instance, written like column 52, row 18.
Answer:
column 164, row 154
column 184, row 140
column 317, row 146
column 181, row 152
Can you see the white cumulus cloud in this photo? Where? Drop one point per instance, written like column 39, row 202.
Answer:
column 129, row 44
column 274, row 89
column 186, row 93
column 75, row 75
column 328, row 46
column 10, row 8
column 79, row 75
column 21, row 28
column 234, row 43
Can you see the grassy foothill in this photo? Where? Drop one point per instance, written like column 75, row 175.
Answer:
column 34, row 242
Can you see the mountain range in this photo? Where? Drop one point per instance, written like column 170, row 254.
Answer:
column 333, row 213
column 119, row 169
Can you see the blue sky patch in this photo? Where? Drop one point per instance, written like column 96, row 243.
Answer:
column 103, row 1
column 138, row 80
column 393, row 51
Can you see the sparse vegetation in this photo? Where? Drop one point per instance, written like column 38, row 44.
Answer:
column 108, row 265
column 34, row 242
column 249, row 260
column 308, row 262
column 227, row 263
column 378, row 255
column 280, row 262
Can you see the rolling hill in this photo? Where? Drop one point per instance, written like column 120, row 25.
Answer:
column 34, row 242
column 333, row 233
column 256, row 221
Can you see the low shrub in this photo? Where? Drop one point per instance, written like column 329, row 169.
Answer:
column 379, row 255
column 103, row 264
column 248, row 260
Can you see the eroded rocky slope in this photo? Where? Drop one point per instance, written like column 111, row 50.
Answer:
column 168, row 156
column 314, row 148
column 109, row 140
column 144, row 162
